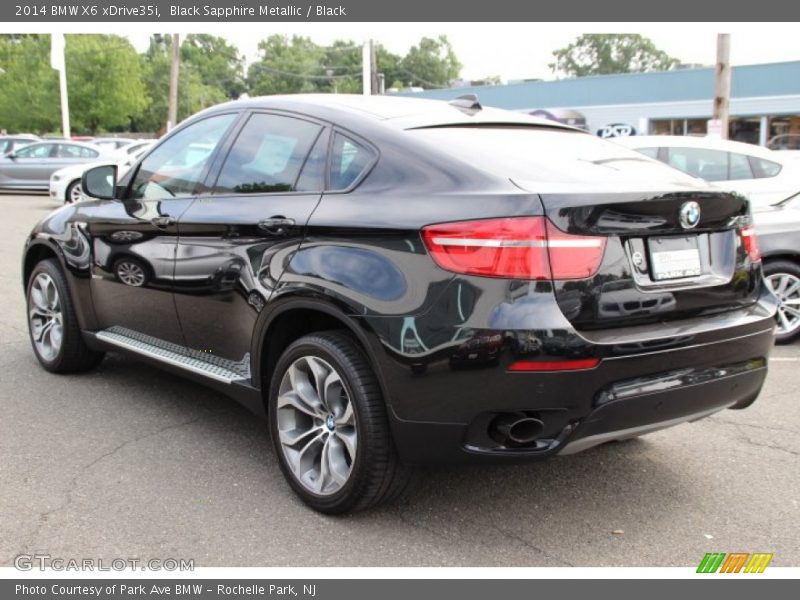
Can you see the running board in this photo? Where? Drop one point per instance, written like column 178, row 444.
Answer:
column 213, row 367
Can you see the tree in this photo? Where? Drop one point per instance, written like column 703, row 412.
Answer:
column 431, row 63
column 193, row 94
column 288, row 66
column 609, row 53
column 217, row 63
column 29, row 99
column 104, row 82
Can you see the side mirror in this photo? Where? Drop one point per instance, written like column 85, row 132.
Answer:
column 12, row 155
column 100, row 182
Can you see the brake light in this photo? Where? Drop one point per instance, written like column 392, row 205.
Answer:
column 514, row 247
column 750, row 243
column 554, row 365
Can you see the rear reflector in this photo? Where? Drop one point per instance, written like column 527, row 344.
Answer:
column 554, row 365
column 515, row 248
column 750, row 243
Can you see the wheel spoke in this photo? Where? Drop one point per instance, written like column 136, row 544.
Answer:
column 346, row 417
column 304, row 389
column 44, row 316
column 784, row 321
column 293, row 399
column 338, row 465
column 791, row 310
column 319, row 374
column 349, row 439
column 291, row 437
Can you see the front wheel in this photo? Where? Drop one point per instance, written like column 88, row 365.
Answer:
column 329, row 426
column 55, row 334
column 783, row 278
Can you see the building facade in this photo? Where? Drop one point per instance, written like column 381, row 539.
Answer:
column 765, row 100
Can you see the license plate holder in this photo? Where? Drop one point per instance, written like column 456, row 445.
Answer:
column 674, row 258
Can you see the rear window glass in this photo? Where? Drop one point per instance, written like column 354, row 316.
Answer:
column 349, row 160
column 763, row 168
column 542, row 155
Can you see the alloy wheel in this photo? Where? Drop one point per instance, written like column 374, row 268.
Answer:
column 76, row 193
column 316, row 425
column 787, row 288
column 45, row 316
column 130, row 273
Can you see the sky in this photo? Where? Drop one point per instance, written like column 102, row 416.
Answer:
column 517, row 50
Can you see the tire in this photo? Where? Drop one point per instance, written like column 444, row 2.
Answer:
column 131, row 271
column 363, row 468
column 74, row 192
column 59, row 346
column 783, row 277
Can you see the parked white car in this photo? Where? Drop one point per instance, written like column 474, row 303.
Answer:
column 65, row 184
column 764, row 176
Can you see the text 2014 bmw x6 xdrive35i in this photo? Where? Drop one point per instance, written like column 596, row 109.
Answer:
column 395, row 281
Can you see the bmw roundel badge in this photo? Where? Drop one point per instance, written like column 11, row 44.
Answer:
column 690, row 215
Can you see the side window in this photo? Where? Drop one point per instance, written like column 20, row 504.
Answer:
column 175, row 167
column 711, row 165
column 312, row 179
column 267, row 155
column 5, row 146
column 72, row 151
column 349, row 159
column 651, row 152
column 763, row 168
column 38, row 151
column 739, row 167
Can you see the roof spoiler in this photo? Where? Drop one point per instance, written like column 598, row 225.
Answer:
column 467, row 103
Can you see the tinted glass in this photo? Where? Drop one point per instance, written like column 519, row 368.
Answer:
column 739, row 167
column 711, row 165
column 651, row 152
column 37, row 151
column 348, row 161
column 174, row 168
column 72, row 151
column 764, row 168
column 312, row 179
column 267, row 155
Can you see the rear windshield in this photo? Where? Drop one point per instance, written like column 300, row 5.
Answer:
column 549, row 155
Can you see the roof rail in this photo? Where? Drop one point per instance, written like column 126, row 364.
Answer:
column 467, row 102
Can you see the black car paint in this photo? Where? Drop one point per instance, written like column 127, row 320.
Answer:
column 440, row 343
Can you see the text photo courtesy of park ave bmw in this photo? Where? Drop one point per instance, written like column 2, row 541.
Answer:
column 290, row 291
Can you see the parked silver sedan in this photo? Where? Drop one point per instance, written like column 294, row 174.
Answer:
column 29, row 168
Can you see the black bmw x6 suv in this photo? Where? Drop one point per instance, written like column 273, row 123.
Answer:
column 395, row 281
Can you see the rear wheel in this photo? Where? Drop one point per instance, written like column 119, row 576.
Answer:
column 55, row 335
column 783, row 278
column 329, row 426
column 74, row 192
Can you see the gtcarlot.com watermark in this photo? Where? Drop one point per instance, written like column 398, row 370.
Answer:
column 42, row 562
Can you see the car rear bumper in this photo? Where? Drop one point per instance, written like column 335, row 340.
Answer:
column 683, row 378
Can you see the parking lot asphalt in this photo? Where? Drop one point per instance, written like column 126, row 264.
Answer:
column 131, row 462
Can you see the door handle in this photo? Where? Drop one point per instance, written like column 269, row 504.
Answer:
column 163, row 221
column 276, row 225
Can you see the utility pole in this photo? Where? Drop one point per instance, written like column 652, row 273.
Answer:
column 366, row 68
column 58, row 62
column 174, row 70
column 373, row 69
column 722, row 84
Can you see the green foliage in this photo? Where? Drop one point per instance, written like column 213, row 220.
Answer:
column 104, row 82
column 431, row 63
column 194, row 93
column 29, row 99
column 609, row 53
column 217, row 63
column 113, row 88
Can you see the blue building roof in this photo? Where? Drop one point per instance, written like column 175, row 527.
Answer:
column 773, row 79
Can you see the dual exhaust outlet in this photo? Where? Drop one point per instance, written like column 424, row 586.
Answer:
column 516, row 430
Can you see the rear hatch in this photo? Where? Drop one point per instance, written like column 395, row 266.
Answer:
column 630, row 240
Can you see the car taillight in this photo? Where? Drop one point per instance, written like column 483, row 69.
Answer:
column 514, row 247
column 750, row 243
